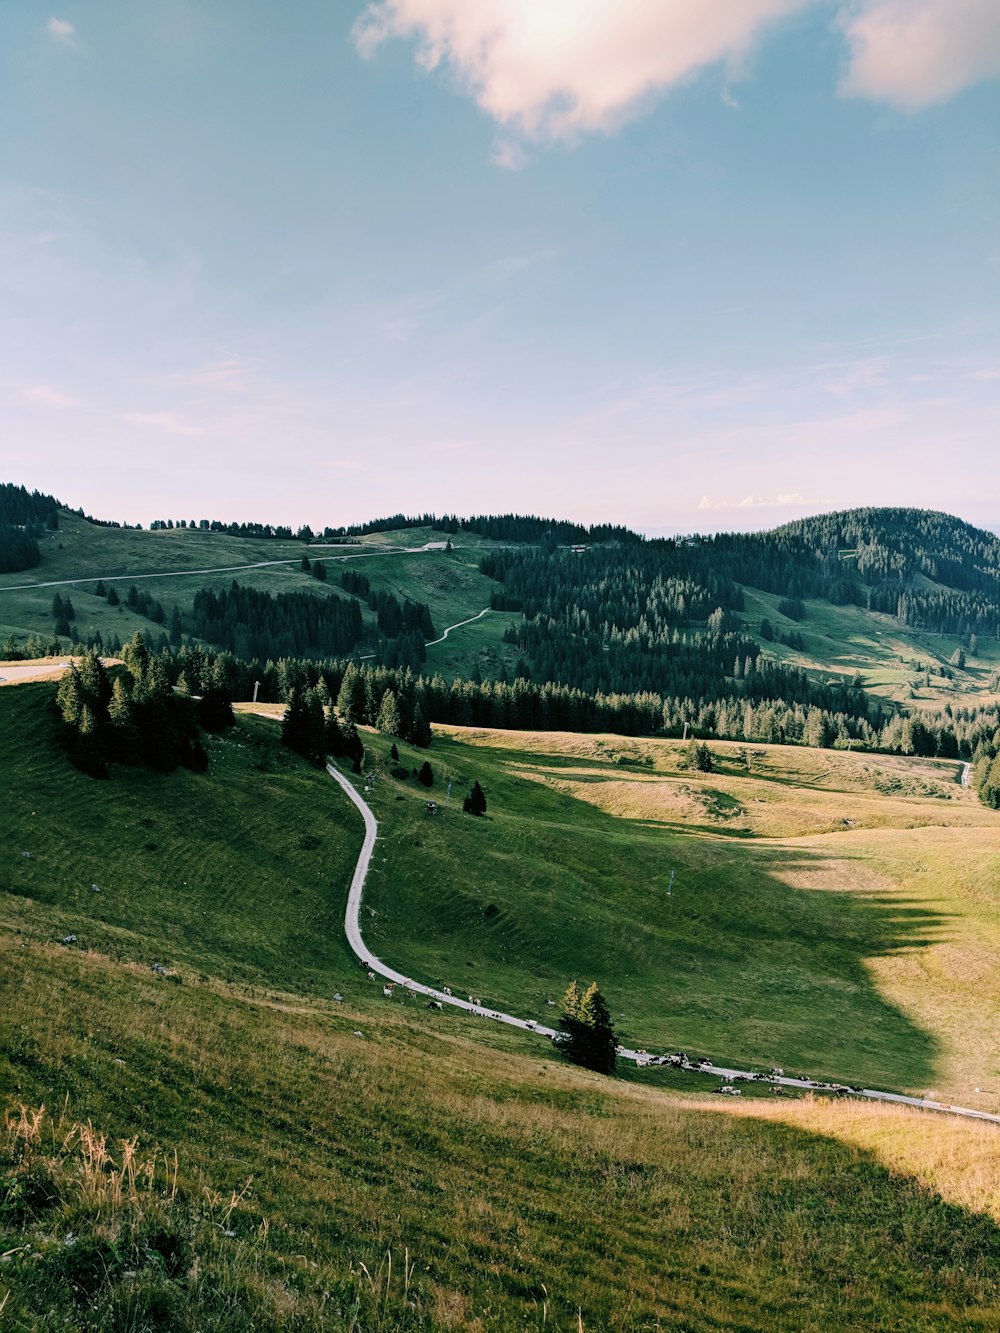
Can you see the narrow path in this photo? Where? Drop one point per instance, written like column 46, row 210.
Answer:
column 213, row 569
column 966, row 774
column 375, row 965
column 367, row 657
column 484, row 612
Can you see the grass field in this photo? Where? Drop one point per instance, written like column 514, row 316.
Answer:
column 831, row 913
column 893, row 659
column 80, row 553
column 196, row 865
column 517, row 1192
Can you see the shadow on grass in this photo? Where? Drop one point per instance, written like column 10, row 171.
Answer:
column 762, row 953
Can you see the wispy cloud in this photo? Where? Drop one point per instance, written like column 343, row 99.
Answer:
column 61, row 30
column 231, row 374
column 168, row 422
column 787, row 500
column 48, row 396
column 912, row 53
column 509, row 154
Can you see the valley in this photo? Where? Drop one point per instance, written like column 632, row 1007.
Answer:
column 172, row 946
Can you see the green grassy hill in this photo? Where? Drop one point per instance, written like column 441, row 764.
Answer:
column 831, row 912
column 316, row 1166
column 897, row 663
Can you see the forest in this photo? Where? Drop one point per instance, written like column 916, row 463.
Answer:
column 24, row 516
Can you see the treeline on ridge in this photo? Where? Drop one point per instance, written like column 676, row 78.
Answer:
column 24, row 516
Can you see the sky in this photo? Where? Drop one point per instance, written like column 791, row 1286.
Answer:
column 680, row 264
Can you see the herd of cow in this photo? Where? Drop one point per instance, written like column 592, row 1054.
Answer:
column 678, row 1060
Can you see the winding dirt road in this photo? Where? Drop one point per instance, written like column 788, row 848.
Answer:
column 374, row 964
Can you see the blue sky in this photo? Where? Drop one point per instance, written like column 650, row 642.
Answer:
column 684, row 265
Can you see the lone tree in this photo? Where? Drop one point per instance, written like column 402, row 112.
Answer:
column 699, row 757
column 587, row 1035
column 475, row 802
column 426, row 774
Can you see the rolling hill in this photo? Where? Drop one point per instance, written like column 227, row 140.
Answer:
column 316, row 1162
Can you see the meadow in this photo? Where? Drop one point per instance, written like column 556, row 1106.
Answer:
column 370, row 1164
column 834, row 913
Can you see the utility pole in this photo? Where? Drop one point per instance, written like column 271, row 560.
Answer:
column 447, row 799
column 256, row 687
column 670, row 886
column 685, row 736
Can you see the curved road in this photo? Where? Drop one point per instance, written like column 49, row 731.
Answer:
column 374, row 964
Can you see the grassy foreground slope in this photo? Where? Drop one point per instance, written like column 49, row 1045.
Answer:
column 228, row 872
column 518, row 1192
column 831, row 912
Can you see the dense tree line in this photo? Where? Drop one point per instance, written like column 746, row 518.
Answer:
column 24, row 516
column 136, row 716
column 359, row 690
column 254, row 623
column 664, row 615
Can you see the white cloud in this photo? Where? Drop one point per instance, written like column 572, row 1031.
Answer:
column 231, row 374
column 47, row 396
column 912, row 53
column 509, row 154
column 169, row 422
column 786, row 500
column 727, row 99
column 61, row 30
column 555, row 69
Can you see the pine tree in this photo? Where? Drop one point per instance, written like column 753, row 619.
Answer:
column 426, row 774
column 351, row 699
column 388, row 714
column 475, row 802
column 587, row 1035
column 123, row 734
column 420, row 732
column 293, row 724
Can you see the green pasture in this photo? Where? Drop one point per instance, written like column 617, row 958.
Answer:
column 326, row 1148
column 768, row 949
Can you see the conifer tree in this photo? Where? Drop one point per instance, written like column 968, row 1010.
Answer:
column 475, row 802
column 351, row 699
column 587, row 1035
column 387, row 720
column 123, row 734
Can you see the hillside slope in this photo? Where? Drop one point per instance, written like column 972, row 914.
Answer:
column 316, row 1138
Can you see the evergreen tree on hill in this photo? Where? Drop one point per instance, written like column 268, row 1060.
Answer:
column 351, row 700
column 387, row 720
column 475, row 802
column 587, row 1035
